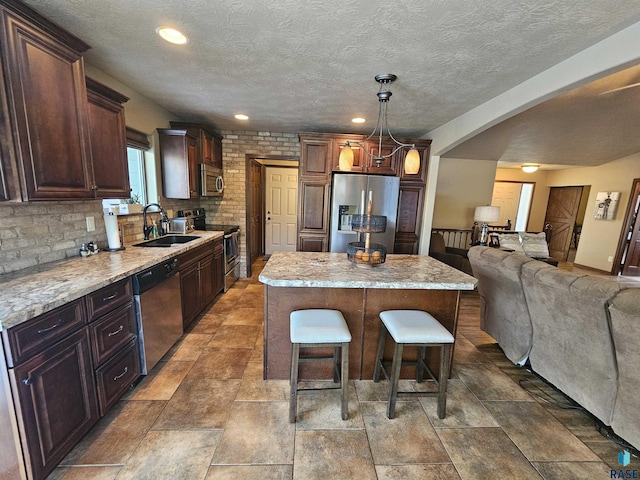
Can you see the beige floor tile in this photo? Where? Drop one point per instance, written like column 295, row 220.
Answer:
column 485, row 453
column 370, row 391
column 329, row 454
column 407, row 438
column 199, row 403
column 463, row 408
column 245, row 316
column 84, row 473
column 221, row 363
column 238, row 336
column 322, row 409
column 578, row 470
column 417, row 472
column 162, row 382
column 172, row 455
column 116, row 435
column 257, row 433
column 538, row 435
column 608, row 451
column 253, row 387
column 250, row 472
column 488, row 382
column 466, row 352
column 209, row 323
column 189, row 347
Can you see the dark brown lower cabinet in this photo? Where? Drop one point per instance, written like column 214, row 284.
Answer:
column 201, row 278
column 56, row 401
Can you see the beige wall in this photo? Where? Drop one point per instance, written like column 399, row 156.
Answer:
column 462, row 186
column 599, row 238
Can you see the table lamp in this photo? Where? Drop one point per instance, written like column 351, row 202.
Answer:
column 484, row 215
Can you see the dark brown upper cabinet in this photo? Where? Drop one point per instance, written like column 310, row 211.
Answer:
column 209, row 142
column 108, row 141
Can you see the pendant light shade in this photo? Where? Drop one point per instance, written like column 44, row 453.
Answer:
column 345, row 161
column 412, row 162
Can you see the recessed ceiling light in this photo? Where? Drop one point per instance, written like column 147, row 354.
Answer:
column 172, row 35
column 240, row 116
column 358, row 120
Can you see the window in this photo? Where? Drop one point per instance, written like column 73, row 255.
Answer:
column 137, row 177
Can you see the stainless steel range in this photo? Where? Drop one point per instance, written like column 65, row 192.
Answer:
column 231, row 242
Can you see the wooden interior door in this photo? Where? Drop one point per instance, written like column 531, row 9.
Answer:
column 562, row 209
column 281, row 207
column 256, row 208
column 506, row 195
column 628, row 253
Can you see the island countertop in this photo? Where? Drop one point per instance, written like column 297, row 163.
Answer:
column 333, row 270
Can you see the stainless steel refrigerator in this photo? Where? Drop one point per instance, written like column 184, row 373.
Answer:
column 350, row 196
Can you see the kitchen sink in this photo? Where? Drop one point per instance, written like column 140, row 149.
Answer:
column 167, row 241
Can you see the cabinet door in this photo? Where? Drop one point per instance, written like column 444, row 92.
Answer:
column 108, row 141
column 206, row 147
column 217, row 151
column 359, row 157
column 219, row 265
column 409, row 218
column 57, row 401
column 316, row 156
column 421, row 176
column 192, row 162
column 190, row 290
column 208, row 272
column 179, row 154
column 313, row 210
column 48, row 104
column 387, row 166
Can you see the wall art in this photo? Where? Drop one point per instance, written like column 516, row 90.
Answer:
column 606, row 205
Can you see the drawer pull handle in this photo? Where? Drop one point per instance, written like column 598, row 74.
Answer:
column 117, row 377
column 111, row 334
column 27, row 381
column 110, row 297
column 48, row 329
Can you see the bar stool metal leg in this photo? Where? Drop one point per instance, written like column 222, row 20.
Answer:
column 395, row 378
column 345, row 380
column 445, row 354
column 293, row 379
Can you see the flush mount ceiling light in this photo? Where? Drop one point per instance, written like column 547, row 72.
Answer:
column 172, row 35
column 412, row 160
column 530, row 168
column 241, row 116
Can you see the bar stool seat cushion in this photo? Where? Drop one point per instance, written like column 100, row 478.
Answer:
column 318, row 326
column 415, row 326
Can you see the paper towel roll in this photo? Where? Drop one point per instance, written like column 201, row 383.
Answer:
column 113, row 233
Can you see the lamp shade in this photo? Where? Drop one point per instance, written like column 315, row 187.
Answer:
column 345, row 161
column 412, row 162
column 487, row 214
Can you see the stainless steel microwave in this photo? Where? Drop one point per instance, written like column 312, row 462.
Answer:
column 211, row 182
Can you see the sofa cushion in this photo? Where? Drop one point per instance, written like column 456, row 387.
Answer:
column 510, row 241
column 535, row 244
column 572, row 346
column 625, row 320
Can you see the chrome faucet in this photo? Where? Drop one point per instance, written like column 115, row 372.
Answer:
column 164, row 221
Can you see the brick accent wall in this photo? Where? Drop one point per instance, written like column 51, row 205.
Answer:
column 236, row 145
column 32, row 233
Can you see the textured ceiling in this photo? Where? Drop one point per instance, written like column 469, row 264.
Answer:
column 308, row 65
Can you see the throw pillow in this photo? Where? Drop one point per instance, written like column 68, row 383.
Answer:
column 535, row 244
column 510, row 241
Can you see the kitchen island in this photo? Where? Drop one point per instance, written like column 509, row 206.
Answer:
column 299, row 280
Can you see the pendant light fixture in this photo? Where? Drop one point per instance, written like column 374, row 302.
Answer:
column 412, row 160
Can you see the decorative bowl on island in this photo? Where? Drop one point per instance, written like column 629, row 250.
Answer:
column 373, row 256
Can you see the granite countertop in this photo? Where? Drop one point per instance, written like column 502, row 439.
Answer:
column 27, row 293
column 333, row 270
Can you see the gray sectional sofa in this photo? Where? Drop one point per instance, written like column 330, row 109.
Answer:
column 579, row 332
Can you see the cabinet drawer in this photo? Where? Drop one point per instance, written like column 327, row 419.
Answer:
column 117, row 375
column 33, row 336
column 111, row 332
column 194, row 255
column 108, row 298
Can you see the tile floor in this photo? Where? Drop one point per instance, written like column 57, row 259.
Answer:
column 204, row 412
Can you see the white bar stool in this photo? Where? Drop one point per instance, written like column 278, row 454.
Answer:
column 420, row 329
column 319, row 328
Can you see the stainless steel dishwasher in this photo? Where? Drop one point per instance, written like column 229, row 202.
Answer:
column 158, row 303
